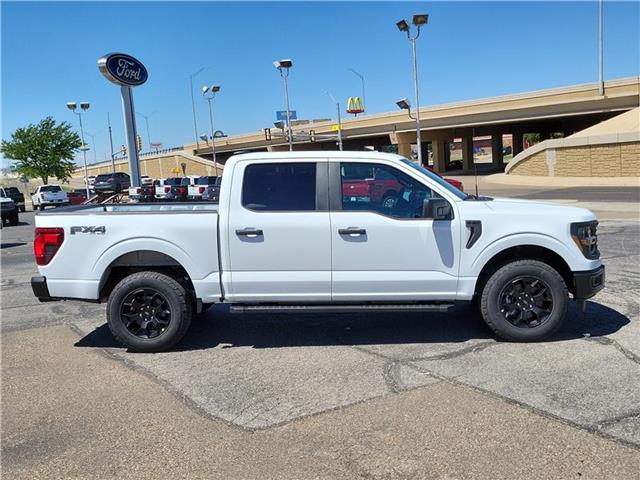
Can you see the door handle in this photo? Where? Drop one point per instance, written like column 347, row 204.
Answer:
column 352, row 231
column 249, row 232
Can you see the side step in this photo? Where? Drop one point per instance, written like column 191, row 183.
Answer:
column 342, row 308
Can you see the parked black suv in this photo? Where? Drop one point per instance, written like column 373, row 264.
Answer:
column 112, row 182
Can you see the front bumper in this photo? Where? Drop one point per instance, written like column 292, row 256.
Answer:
column 587, row 284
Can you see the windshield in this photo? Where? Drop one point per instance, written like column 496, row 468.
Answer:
column 436, row 178
column 50, row 188
column 175, row 181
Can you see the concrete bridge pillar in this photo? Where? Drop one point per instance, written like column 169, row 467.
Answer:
column 496, row 149
column 403, row 140
column 517, row 142
column 439, row 147
column 467, row 152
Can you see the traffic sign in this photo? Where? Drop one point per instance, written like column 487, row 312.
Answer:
column 282, row 115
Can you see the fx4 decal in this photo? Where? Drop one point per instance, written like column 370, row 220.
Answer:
column 90, row 229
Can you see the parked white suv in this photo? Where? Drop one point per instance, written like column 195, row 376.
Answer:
column 49, row 195
column 290, row 236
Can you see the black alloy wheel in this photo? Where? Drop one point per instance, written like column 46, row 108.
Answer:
column 526, row 302
column 146, row 313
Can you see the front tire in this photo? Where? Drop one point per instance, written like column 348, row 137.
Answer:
column 149, row 312
column 524, row 301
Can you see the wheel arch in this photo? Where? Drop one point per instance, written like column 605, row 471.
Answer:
column 142, row 260
column 525, row 252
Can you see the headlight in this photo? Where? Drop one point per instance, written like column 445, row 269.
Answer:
column 586, row 238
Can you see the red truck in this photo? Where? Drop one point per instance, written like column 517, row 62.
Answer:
column 378, row 186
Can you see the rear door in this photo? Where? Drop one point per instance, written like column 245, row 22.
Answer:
column 278, row 232
column 383, row 250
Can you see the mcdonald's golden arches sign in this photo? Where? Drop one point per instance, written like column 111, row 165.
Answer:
column 354, row 105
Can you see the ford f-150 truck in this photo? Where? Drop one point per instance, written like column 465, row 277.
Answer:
column 48, row 195
column 286, row 237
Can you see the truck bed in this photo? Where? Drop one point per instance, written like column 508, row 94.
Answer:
column 98, row 238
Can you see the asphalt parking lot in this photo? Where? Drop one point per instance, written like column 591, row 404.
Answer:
column 259, row 373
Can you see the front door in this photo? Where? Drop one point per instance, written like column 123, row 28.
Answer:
column 383, row 250
column 279, row 243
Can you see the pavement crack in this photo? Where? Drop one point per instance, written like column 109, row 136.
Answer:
column 613, row 420
column 391, row 376
column 609, row 341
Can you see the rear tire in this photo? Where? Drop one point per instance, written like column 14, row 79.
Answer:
column 137, row 312
column 524, row 301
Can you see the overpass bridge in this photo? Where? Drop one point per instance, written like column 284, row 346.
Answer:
column 507, row 119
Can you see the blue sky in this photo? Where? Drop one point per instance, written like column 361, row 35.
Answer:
column 468, row 50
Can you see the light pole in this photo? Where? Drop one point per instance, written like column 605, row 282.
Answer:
column 283, row 67
column 193, row 105
column 364, row 102
column 146, row 120
column 93, row 145
column 339, row 119
column 601, row 47
column 418, row 21
column 209, row 94
column 113, row 158
column 84, row 106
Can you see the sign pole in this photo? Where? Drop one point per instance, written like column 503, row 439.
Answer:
column 128, row 112
column 127, row 72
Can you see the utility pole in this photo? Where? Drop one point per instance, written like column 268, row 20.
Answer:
column 113, row 160
column 601, row 47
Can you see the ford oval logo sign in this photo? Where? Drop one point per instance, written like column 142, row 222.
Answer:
column 123, row 69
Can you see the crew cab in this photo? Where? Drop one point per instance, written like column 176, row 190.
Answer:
column 49, row 195
column 205, row 188
column 286, row 237
column 16, row 195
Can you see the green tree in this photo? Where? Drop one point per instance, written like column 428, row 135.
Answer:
column 43, row 150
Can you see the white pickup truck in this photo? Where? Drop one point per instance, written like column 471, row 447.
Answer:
column 49, row 195
column 320, row 231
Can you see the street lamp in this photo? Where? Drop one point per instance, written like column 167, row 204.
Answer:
column 93, row 145
column 193, row 105
column 418, row 21
column 84, row 106
column 364, row 102
column 339, row 120
column 146, row 120
column 283, row 67
column 209, row 94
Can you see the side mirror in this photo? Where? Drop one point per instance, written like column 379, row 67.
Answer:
column 437, row 209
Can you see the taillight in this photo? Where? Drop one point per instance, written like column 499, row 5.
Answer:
column 201, row 189
column 138, row 189
column 167, row 189
column 42, row 196
column 46, row 244
column 183, row 190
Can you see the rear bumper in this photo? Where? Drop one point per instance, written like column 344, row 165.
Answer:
column 40, row 289
column 587, row 284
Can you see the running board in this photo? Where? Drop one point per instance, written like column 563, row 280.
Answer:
column 343, row 308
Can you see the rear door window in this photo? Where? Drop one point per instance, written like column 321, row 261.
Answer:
column 280, row 187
